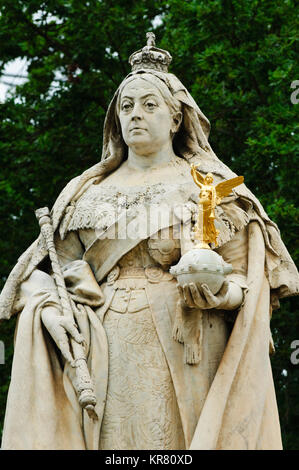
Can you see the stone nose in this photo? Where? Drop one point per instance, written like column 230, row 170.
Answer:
column 137, row 112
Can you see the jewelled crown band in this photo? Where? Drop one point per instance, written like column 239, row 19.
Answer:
column 150, row 56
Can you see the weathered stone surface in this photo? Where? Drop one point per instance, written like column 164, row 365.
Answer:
column 173, row 367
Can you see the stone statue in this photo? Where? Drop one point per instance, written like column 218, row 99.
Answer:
column 170, row 366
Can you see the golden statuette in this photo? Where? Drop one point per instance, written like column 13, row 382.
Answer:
column 209, row 197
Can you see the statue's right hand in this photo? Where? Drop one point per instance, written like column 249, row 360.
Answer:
column 59, row 328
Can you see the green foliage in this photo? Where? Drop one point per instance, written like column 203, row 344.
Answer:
column 238, row 59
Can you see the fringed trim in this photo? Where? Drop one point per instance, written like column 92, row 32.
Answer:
column 8, row 296
column 177, row 332
column 188, row 330
column 192, row 353
column 100, row 207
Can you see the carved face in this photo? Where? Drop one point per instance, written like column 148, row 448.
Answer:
column 209, row 179
column 145, row 118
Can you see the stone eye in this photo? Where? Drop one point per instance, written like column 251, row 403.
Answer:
column 150, row 104
column 126, row 106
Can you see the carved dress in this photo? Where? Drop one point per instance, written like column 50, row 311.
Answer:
column 165, row 377
column 141, row 409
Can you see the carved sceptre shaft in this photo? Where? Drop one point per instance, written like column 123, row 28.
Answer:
column 84, row 385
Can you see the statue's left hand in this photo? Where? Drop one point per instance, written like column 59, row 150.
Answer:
column 229, row 297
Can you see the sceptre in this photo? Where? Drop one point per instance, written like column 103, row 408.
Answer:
column 84, row 385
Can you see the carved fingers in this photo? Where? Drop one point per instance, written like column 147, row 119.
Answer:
column 61, row 330
column 203, row 298
column 218, row 300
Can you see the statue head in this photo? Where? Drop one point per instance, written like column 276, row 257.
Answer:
column 187, row 127
column 183, row 121
column 209, row 178
column 148, row 114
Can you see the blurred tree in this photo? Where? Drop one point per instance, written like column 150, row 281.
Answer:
column 238, row 58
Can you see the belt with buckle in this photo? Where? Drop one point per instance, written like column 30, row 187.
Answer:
column 151, row 273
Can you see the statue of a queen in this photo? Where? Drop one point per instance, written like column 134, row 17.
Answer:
column 172, row 367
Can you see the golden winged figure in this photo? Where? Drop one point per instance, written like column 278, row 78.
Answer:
column 209, row 197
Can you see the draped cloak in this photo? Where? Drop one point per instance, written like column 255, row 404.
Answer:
column 239, row 410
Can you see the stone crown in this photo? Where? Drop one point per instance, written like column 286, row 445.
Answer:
column 150, row 57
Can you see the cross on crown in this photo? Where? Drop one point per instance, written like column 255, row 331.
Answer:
column 150, row 56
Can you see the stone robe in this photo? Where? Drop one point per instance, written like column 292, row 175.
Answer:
column 230, row 407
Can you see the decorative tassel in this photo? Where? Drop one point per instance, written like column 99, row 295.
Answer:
column 193, row 341
column 177, row 331
column 188, row 329
column 192, row 353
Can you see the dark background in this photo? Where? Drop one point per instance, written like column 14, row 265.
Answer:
column 238, row 60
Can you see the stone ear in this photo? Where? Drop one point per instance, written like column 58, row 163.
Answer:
column 177, row 119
